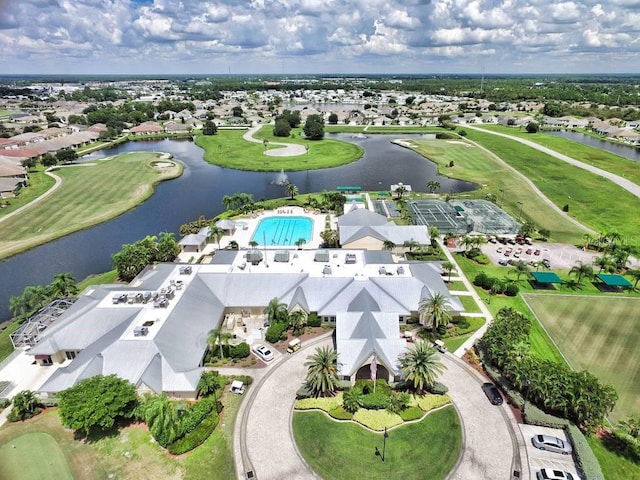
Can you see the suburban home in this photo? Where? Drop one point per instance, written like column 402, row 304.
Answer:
column 147, row 128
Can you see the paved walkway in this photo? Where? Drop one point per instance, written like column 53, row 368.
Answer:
column 264, row 444
column 617, row 179
column 287, row 150
column 39, row 199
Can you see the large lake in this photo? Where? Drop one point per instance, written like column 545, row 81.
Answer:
column 199, row 191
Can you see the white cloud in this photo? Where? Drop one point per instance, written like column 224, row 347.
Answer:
column 100, row 35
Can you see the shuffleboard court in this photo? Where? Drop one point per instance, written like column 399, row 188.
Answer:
column 33, row 456
column 598, row 334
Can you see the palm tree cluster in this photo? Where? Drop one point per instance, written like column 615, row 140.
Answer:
column 135, row 257
column 33, row 298
column 421, row 365
column 322, row 372
column 552, row 386
column 25, row 405
column 616, row 251
column 239, row 201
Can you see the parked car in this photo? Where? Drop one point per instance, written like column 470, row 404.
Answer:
column 492, row 393
column 546, row 263
column 552, row 474
column 529, row 251
column 551, row 444
column 237, row 387
column 499, row 249
column 492, row 240
column 507, row 253
column 263, row 352
column 503, row 262
column 516, row 255
column 537, row 252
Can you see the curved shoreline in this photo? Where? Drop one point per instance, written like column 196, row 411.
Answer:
column 136, row 200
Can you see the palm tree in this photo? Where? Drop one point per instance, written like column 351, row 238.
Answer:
column 447, row 267
column 276, row 311
column 161, row 417
column 322, row 371
column 388, row 245
column 605, row 262
column 18, row 306
column 63, row 285
column 292, row 190
column 352, row 400
column 410, row 244
column 208, row 383
column 400, row 191
column 581, row 270
column 220, row 337
column 233, row 245
column 434, row 234
column 421, row 365
column 635, row 274
column 435, row 311
column 215, row 233
column 520, row 268
column 300, row 242
column 433, row 185
column 25, row 404
column 253, row 244
column 297, row 320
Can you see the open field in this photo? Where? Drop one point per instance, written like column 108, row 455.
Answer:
column 130, row 453
column 228, row 149
column 336, row 450
column 117, row 184
column 23, row 459
column 595, row 202
column 475, row 165
column 599, row 334
column 590, row 155
column 614, row 467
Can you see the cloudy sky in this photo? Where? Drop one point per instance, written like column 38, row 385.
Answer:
column 319, row 36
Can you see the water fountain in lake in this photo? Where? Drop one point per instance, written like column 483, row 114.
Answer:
column 281, row 179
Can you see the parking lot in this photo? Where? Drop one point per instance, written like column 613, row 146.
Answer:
column 559, row 255
column 543, row 459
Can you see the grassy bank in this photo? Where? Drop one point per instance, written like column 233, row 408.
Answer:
column 475, row 165
column 39, row 183
column 228, row 149
column 116, row 184
column 592, row 200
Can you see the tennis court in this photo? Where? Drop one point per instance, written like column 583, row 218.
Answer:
column 463, row 217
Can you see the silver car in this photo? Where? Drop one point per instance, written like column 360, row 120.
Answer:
column 263, row 352
column 552, row 444
column 552, row 474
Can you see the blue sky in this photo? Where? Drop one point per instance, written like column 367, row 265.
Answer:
column 319, row 36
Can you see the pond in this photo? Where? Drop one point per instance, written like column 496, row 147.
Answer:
column 199, row 191
column 626, row 151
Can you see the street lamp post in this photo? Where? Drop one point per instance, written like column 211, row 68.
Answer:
column 520, row 213
column 501, row 197
column 385, row 435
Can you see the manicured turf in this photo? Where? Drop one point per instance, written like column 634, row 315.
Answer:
column 22, row 458
column 469, row 304
column 594, row 201
column 228, row 149
column 456, row 286
column 473, row 164
column 115, row 185
column 590, row 155
column 427, row 449
column 38, row 184
column 614, row 467
column 599, row 334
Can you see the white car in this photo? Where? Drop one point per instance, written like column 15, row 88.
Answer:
column 552, row 444
column 552, row 474
column 263, row 352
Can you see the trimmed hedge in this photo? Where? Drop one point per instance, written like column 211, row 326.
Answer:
column 411, row 413
column 196, row 437
column 275, row 331
column 195, row 414
column 241, row 350
column 246, row 379
column 313, row 320
column 340, row 414
column 438, row 388
column 375, row 401
column 377, row 419
column 586, row 461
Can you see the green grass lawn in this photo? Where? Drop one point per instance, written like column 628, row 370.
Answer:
column 22, row 458
column 473, row 164
column 426, row 449
column 6, row 347
column 88, row 195
column 38, row 184
column 129, row 453
column 457, row 286
column 590, row 155
column 599, row 334
column 594, row 201
column 99, row 279
column 614, row 467
column 469, row 304
column 228, row 149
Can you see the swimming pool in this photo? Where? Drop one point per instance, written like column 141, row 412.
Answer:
column 283, row 230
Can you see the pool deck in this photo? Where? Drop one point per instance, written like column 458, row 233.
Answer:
column 243, row 233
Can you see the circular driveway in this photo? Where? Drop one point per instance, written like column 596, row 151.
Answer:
column 264, row 440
